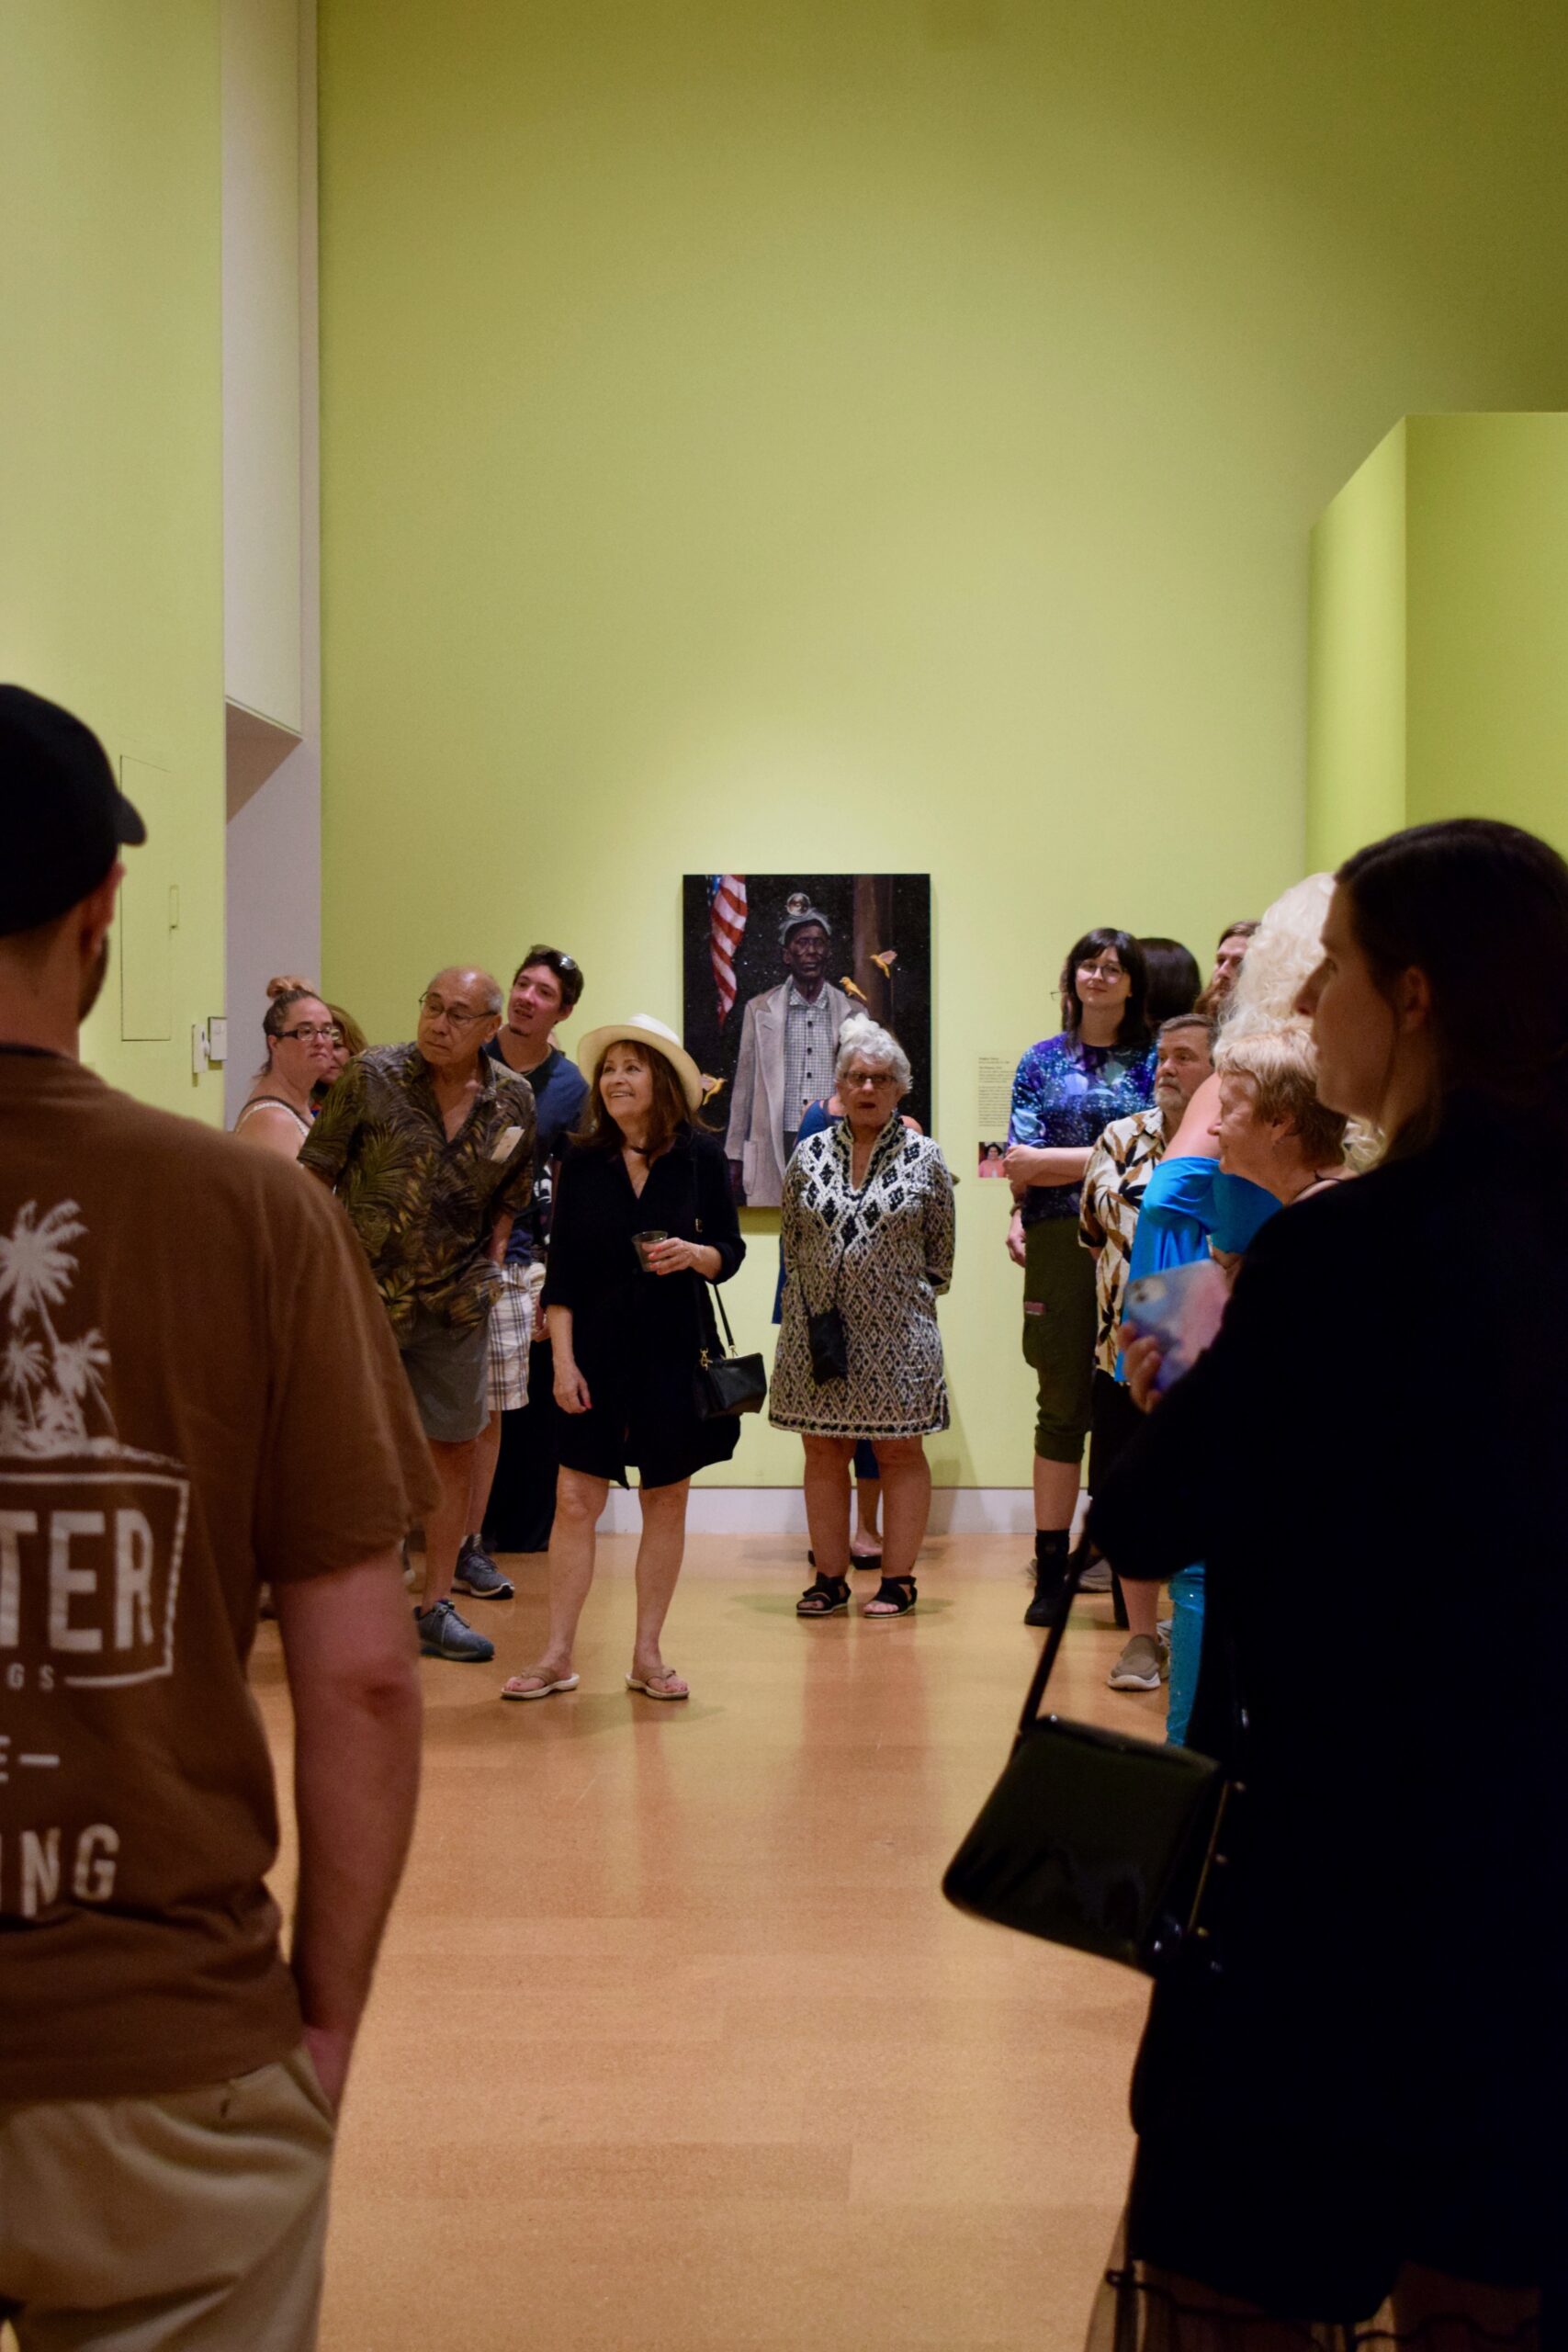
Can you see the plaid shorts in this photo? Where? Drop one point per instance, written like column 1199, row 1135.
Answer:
column 511, row 1334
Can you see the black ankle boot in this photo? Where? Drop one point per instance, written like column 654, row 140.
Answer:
column 1050, row 1577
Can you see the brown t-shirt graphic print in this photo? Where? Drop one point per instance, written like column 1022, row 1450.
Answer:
column 197, row 1392
column 107, row 1520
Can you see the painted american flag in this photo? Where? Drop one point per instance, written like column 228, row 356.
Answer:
column 727, row 922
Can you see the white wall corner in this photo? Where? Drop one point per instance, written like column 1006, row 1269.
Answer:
column 271, row 512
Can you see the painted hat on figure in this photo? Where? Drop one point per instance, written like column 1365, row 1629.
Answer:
column 798, row 912
column 642, row 1029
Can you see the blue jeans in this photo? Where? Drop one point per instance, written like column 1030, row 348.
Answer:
column 1186, row 1650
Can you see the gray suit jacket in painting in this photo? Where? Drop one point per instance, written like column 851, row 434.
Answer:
column 756, row 1104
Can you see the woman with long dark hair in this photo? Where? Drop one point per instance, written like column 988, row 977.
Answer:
column 1174, row 980
column 1348, row 2097
column 1067, row 1090
column 643, row 1220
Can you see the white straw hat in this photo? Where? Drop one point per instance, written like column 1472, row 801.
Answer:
column 642, row 1029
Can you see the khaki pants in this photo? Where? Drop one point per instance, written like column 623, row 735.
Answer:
column 194, row 2221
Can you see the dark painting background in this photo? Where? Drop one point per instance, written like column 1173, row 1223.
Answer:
column 759, row 964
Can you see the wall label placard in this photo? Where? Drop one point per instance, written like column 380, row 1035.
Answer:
column 994, row 1106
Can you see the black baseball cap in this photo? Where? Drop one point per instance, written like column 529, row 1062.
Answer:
column 64, row 819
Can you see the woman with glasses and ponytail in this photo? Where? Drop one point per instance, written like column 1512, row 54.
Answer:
column 301, row 1035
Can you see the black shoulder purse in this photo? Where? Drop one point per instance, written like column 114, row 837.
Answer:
column 1090, row 1837
column 726, row 1383
column 722, row 1382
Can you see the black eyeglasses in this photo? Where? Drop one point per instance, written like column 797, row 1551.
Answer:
column 458, row 1014
column 309, row 1030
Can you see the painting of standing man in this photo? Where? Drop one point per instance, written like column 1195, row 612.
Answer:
column 774, row 965
column 788, row 1039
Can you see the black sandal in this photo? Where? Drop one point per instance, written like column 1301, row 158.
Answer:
column 900, row 1591
column 824, row 1598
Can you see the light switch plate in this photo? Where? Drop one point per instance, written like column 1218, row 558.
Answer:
column 198, row 1056
column 218, row 1038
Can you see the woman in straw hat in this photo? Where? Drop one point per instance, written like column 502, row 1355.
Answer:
column 643, row 1220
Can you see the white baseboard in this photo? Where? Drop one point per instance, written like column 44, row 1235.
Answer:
column 781, row 1511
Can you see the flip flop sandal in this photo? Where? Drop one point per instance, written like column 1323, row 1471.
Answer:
column 652, row 1690
column 824, row 1598
column 898, row 1591
column 544, row 1689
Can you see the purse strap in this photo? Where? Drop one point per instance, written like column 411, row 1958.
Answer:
column 837, row 1268
column 718, row 1296
column 1077, row 1561
column 711, row 1288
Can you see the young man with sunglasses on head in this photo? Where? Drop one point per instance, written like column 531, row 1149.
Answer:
column 517, row 1455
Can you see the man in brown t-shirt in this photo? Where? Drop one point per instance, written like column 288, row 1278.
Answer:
column 197, row 1392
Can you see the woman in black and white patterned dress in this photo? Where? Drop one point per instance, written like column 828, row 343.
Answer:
column 868, row 1228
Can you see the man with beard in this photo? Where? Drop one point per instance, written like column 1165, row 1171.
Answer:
column 198, row 1393
column 789, row 1039
column 1119, row 1169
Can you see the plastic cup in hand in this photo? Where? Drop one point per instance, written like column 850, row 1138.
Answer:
column 642, row 1243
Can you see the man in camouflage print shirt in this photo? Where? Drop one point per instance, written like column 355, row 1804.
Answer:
column 430, row 1148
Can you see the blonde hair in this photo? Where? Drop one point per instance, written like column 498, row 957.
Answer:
column 354, row 1037
column 1285, row 949
column 863, row 1039
column 1283, row 953
column 1281, row 1065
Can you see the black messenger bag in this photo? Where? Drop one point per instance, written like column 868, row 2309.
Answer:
column 726, row 1383
column 1091, row 1837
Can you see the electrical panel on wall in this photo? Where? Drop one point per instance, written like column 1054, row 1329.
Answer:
column 149, row 911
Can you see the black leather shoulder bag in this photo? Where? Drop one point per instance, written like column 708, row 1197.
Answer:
column 1091, row 1837
column 724, row 1381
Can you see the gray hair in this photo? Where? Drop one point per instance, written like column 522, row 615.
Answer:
column 1189, row 1021
column 863, row 1039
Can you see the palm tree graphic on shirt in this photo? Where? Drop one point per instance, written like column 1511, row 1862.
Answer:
column 52, row 1398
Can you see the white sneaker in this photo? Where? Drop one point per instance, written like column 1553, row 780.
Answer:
column 1143, row 1665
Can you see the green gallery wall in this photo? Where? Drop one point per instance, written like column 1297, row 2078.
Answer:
column 786, row 436
column 111, row 493
column 810, row 437
column 1438, row 633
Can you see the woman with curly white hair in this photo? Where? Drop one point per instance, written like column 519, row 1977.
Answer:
column 867, row 1229
column 1209, row 1198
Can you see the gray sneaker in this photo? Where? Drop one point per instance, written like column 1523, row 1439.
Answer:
column 478, row 1574
column 1142, row 1666
column 1096, row 1578
column 442, row 1633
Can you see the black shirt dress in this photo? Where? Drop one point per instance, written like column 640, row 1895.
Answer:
column 637, row 1337
column 1367, row 2064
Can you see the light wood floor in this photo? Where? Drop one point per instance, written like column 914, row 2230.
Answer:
column 676, row 2043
